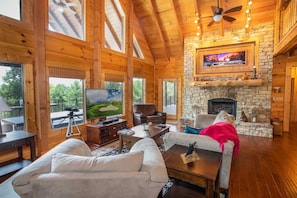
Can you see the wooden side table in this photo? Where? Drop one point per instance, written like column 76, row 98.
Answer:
column 203, row 172
column 16, row 139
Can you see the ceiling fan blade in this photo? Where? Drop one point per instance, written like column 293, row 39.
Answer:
column 228, row 18
column 235, row 9
column 211, row 23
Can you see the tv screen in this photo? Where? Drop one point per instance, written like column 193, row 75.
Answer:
column 103, row 103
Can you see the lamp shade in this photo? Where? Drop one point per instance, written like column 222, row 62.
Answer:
column 217, row 18
column 3, row 105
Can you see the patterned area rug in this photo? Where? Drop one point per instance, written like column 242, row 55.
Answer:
column 113, row 149
column 109, row 149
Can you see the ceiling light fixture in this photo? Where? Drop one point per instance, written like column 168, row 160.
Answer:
column 217, row 18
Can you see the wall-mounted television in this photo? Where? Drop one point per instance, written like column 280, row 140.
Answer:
column 103, row 103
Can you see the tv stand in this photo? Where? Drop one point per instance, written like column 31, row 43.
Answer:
column 108, row 121
column 106, row 132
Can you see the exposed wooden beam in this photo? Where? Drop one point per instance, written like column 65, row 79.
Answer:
column 156, row 18
column 178, row 22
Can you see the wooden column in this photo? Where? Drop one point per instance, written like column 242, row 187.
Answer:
column 98, row 35
column 41, row 79
column 129, row 83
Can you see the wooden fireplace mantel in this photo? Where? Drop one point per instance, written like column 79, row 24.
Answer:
column 228, row 83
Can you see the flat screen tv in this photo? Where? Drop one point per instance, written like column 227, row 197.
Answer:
column 103, row 103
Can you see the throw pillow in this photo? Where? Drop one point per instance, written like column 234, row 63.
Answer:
column 192, row 130
column 128, row 162
column 223, row 116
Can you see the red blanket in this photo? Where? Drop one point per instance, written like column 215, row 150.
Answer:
column 222, row 132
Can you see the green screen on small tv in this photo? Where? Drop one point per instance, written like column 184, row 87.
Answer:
column 103, row 103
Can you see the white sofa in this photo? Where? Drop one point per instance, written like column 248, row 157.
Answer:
column 207, row 143
column 70, row 170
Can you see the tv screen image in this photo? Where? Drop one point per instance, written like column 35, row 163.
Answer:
column 103, row 103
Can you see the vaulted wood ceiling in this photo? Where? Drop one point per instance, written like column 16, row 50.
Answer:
column 165, row 23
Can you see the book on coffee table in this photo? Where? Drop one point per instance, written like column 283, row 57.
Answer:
column 126, row 132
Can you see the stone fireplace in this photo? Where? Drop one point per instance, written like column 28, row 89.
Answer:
column 239, row 98
column 215, row 105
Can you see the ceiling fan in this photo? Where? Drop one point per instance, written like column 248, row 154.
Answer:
column 219, row 14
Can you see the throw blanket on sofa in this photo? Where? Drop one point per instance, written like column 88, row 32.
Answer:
column 222, row 132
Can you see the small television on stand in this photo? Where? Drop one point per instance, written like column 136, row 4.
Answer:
column 103, row 104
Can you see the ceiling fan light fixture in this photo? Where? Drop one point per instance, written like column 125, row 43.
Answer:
column 217, row 18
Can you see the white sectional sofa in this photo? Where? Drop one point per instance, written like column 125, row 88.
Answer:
column 70, row 170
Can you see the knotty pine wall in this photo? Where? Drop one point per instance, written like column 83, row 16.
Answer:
column 285, row 61
column 29, row 42
column 284, row 99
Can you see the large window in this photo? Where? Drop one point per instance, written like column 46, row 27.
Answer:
column 66, row 95
column 11, row 8
column 11, row 90
column 67, row 17
column 114, row 25
column 138, row 90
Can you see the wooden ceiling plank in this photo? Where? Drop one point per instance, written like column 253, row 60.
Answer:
column 178, row 22
column 153, row 6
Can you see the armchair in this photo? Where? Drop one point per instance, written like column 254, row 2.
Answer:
column 143, row 113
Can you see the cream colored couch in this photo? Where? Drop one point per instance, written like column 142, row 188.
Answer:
column 70, row 170
column 205, row 142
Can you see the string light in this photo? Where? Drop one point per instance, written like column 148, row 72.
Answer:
column 197, row 21
column 248, row 15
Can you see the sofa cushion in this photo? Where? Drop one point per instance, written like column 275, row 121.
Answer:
column 128, row 162
column 42, row 165
column 192, row 130
column 204, row 120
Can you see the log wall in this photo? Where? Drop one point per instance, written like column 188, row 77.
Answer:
column 283, row 98
column 41, row 51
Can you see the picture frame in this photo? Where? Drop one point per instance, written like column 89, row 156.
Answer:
column 226, row 59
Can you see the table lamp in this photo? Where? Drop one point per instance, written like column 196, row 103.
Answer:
column 3, row 107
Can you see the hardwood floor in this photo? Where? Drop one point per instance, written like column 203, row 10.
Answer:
column 264, row 168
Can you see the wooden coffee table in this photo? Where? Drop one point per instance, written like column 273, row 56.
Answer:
column 203, row 172
column 154, row 132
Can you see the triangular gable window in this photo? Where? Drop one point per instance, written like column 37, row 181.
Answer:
column 114, row 25
column 137, row 52
column 67, row 17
